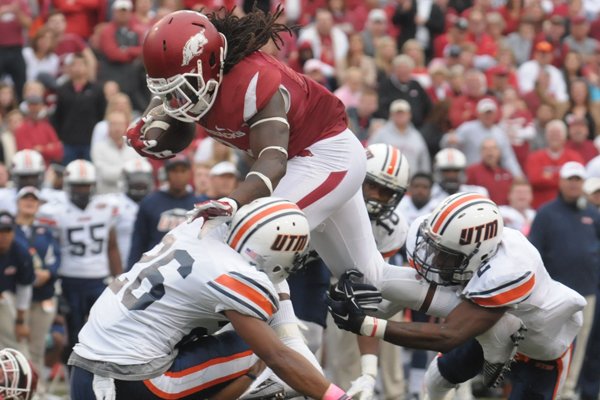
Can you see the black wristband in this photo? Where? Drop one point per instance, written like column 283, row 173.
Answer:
column 19, row 321
column 251, row 376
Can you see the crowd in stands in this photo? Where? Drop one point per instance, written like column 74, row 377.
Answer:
column 513, row 84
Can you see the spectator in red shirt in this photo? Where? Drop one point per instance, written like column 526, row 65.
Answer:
column 143, row 16
column 578, row 137
column 554, row 33
column 463, row 107
column 37, row 134
column 489, row 174
column 486, row 47
column 15, row 18
column 120, row 48
column 81, row 15
column 457, row 35
column 69, row 43
column 543, row 166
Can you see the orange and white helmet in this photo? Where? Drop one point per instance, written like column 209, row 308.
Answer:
column 27, row 168
column 138, row 178
column 458, row 237
column 449, row 160
column 80, row 182
column 17, row 378
column 271, row 234
column 387, row 167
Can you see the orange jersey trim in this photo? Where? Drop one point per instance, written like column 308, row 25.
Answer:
column 248, row 292
column 170, row 396
column 390, row 253
column 508, row 296
column 250, row 223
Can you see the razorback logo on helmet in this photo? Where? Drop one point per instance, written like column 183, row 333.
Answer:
column 290, row 242
column 193, row 47
column 479, row 233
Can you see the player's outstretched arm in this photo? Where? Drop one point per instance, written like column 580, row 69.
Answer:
column 466, row 321
column 289, row 365
column 269, row 136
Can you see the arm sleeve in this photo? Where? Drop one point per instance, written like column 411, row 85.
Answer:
column 402, row 289
column 247, row 293
column 23, row 297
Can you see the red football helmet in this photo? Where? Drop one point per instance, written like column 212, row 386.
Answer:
column 184, row 57
column 17, row 378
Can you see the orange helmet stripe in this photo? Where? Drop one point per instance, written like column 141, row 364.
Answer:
column 263, row 213
column 449, row 208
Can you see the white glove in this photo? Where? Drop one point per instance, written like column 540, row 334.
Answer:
column 104, row 388
column 365, row 385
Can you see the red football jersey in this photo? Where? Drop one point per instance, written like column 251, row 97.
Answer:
column 312, row 112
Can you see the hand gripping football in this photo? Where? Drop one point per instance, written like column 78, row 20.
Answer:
column 169, row 133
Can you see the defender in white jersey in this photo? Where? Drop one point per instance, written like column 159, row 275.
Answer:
column 131, row 346
column 138, row 181
column 462, row 247
column 85, row 225
column 27, row 169
column 449, row 174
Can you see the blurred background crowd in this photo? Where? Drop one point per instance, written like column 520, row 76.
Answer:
column 512, row 86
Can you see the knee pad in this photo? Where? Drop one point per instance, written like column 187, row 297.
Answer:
column 462, row 363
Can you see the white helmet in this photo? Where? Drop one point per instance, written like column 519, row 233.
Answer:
column 387, row 167
column 80, row 172
column 449, row 160
column 272, row 234
column 458, row 237
column 138, row 178
column 27, row 163
column 17, row 379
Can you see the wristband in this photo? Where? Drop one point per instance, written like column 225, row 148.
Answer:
column 263, row 178
column 334, row 393
column 251, row 376
column 373, row 327
column 232, row 202
column 19, row 321
column 368, row 365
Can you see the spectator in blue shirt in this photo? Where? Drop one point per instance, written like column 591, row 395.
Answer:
column 163, row 209
column 45, row 253
column 16, row 277
column 566, row 232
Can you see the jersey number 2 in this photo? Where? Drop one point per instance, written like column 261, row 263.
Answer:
column 155, row 278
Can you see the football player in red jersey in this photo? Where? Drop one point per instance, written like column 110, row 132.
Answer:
column 210, row 70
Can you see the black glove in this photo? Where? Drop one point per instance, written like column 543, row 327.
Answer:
column 346, row 313
column 366, row 296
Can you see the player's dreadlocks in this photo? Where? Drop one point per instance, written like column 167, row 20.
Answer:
column 247, row 34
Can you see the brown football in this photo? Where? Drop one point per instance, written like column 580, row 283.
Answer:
column 170, row 133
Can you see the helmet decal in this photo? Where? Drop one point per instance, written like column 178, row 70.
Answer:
column 194, row 47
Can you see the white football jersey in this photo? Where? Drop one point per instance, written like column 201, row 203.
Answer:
column 515, row 277
column 183, row 283
column 390, row 233
column 128, row 210
column 83, row 235
column 438, row 194
column 410, row 212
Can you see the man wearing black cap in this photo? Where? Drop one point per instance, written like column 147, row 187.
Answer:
column 164, row 209
column 16, row 278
